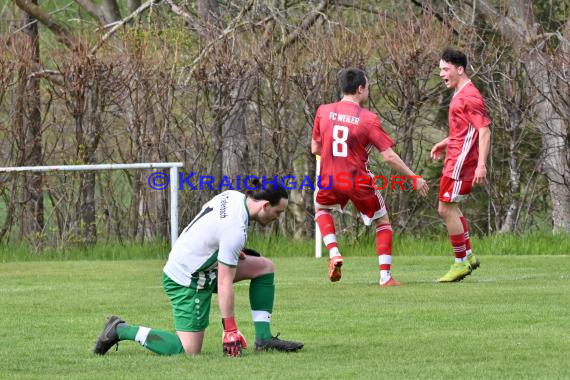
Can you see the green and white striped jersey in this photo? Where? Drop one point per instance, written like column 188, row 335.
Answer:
column 217, row 233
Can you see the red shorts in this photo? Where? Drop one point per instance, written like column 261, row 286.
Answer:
column 365, row 198
column 451, row 190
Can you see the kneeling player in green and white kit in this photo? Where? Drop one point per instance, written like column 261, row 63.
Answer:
column 209, row 257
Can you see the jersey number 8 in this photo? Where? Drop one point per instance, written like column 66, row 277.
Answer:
column 340, row 135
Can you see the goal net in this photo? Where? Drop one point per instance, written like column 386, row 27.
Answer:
column 85, row 204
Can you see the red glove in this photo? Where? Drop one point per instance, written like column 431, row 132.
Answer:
column 232, row 340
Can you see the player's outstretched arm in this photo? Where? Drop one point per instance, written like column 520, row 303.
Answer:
column 439, row 148
column 396, row 163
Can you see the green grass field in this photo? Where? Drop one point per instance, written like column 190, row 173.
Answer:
column 508, row 320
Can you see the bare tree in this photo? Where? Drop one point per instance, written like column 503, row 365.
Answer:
column 518, row 25
column 408, row 54
column 28, row 124
column 511, row 100
column 232, row 89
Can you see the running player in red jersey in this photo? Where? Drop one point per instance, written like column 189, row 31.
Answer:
column 343, row 135
column 467, row 148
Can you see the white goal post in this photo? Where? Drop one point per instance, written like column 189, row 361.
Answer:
column 318, row 237
column 173, row 166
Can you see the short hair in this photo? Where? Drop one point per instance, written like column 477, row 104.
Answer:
column 455, row 57
column 350, row 79
column 271, row 191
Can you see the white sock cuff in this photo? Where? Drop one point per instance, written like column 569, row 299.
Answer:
column 330, row 238
column 385, row 259
column 334, row 252
column 261, row 316
column 142, row 334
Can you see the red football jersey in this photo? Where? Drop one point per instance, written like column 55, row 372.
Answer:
column 467, row 114
column 347, row 133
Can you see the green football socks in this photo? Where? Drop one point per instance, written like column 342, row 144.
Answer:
column 261, row 297
column 157, row 341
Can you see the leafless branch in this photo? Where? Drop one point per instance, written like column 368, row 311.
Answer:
column 187, row 17
column 59, row 30
column 127, row 19
column 234, row 25
column 52, row 75
column 357, row 6
column 306, row 24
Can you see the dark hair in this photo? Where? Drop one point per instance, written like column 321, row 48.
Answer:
column 455, row 57
column 350, row 79
column 270, row 191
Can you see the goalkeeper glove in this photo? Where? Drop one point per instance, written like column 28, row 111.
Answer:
column 233, row 341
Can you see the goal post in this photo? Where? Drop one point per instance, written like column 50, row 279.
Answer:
column 318, row 237
column 172, row 166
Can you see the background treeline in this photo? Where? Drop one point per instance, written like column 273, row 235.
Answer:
column 230, row 88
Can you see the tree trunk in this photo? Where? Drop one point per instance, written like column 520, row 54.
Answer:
column 403, row 208
column 110, row 11
column 61, row 33
column 511, row 219
column 554, row 140
column 554, row 133
column 88, row 208
column 134, row 215
column 87, row 108
column 33, row 193
column 9, row 214
column 234, row 146
column 209, row 12
column 297, row 206
column 157, row 201
column 86, row 201
column 519, row 28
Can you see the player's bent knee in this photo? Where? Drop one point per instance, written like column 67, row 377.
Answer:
column 449, row 210
column 191, row 341
column 444, row 211
column 253, row 267
column 268, row 266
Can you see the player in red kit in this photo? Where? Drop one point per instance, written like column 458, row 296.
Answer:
column 467, row 147
column 343, row 135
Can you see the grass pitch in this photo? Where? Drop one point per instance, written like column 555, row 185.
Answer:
column 510, row 319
